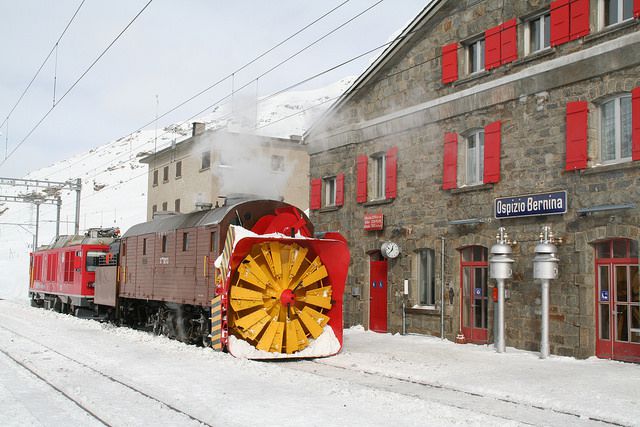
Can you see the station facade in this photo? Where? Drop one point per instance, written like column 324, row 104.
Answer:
column 485, row 114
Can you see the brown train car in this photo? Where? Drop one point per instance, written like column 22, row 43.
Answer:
column 166, row 265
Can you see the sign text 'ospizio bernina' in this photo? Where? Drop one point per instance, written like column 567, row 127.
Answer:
column 531, row 205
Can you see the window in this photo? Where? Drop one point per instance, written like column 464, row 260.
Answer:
column 164, row 206
column 176, row 205
column 474, row 158
column 330, row 191
column 426, row 276
column 144, row 246
column 277, row 163
column 378, row 184
column 155, row 177
column 154, row 209
column 165, row 174
column 615, row 11
column 93, row 260
column 615, row 128
column 205, row 160
column 212, row 242
column 538, row 34
column 164, row 244
column 179, row 169
column 475, row 56
column 185, row 242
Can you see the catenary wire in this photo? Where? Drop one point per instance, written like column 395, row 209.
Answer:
column 76, row 82
column 55, row 45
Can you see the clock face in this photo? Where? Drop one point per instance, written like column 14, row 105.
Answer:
column 390, row 249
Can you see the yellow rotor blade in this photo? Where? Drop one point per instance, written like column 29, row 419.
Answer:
column 251, row 319
column 315, row 276
column 320, row 297
column 238, row 292
column 312, row 326
column 267, row 338
column 250, row 272
column 276, row 344
column 275, row 249
column 255, row 330
column 291, row 337
column 239, row 305
column 298, row 255
column 301, row 336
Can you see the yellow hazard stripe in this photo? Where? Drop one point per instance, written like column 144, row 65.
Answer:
column 216, row 323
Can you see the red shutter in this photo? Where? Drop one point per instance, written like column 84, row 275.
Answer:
column 340, row 189
column 636, row 8
column 559, row 22
column 492, row 47
column 391, row 174
column 577, row 117
column 450, row 63
column 450, row 162
column 635, row 123
column 316, row 194
column 492, row 153
column 361, row 172
column 579, row 18
column 509, row 41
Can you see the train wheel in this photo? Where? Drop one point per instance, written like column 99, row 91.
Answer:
column 279, row 297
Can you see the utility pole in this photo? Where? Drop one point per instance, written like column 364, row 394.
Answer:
column 58, row 206
column 78, row 188
column 35, row 244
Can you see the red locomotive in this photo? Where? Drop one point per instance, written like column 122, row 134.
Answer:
column 247, row 277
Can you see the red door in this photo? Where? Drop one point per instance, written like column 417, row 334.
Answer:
column 378, row 296
column 618, row 300
column 474, row 298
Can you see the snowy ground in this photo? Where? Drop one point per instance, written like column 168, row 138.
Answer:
column 59, row 370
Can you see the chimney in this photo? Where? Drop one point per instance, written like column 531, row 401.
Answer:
column 197, row 129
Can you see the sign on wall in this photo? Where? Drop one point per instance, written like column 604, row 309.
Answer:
column 554, row 203
column 373, row 222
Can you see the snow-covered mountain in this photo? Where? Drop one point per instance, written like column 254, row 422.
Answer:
column 114, row 183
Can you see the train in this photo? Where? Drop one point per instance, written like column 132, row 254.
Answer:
column 248, row 277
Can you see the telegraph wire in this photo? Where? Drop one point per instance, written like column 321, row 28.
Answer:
column 76, row 82
column 55, row 46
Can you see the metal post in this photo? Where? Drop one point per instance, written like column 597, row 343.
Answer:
column 544, row 342
column 442, row 304
column 404, row 317
column 78, row 188
column 37, row 224
column 58, row 206
column 500, row 344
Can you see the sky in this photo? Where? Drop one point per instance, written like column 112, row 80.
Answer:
column 171, row 52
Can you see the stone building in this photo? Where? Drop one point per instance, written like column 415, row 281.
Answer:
column 211, row 164
column 485, row 114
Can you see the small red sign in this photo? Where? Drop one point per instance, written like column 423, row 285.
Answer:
column 373, row 221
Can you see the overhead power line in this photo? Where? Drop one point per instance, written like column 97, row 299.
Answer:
column 76, row 82
column 53, row 49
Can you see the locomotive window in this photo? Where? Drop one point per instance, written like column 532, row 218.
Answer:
column 212, row 242
column 164, row 244
column 144, row 246
column 93, row 259
column 185, row 242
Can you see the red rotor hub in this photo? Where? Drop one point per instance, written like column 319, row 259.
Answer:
column 287, row 297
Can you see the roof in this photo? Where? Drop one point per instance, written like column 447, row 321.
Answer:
column 379, row 63
column 189, row 220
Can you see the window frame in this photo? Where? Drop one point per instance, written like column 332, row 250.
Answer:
column 329, row 185
column 421, row 275
column 474, row 53
column 164, row 244
column 185, row 241
column 164, row 206
column 277, row 163
column 165, row 174
column 155, row 177
column 602, row 14
column 179, row 169
column 176, row 205
column 204, row 165
column 378, row 176
column 528, row 33
column 617, row 131
column 478, row 157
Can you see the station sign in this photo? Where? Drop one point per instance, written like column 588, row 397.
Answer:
column 554, row 203
column 373, row 222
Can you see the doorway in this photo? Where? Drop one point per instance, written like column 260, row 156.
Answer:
column 474, row 298
column 378, row 296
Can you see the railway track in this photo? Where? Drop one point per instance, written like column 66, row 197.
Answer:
column 507, row 409
column 45, row 363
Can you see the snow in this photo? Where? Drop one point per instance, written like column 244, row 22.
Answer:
column 114, row 183
column 128, row 377
column 326, row 344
